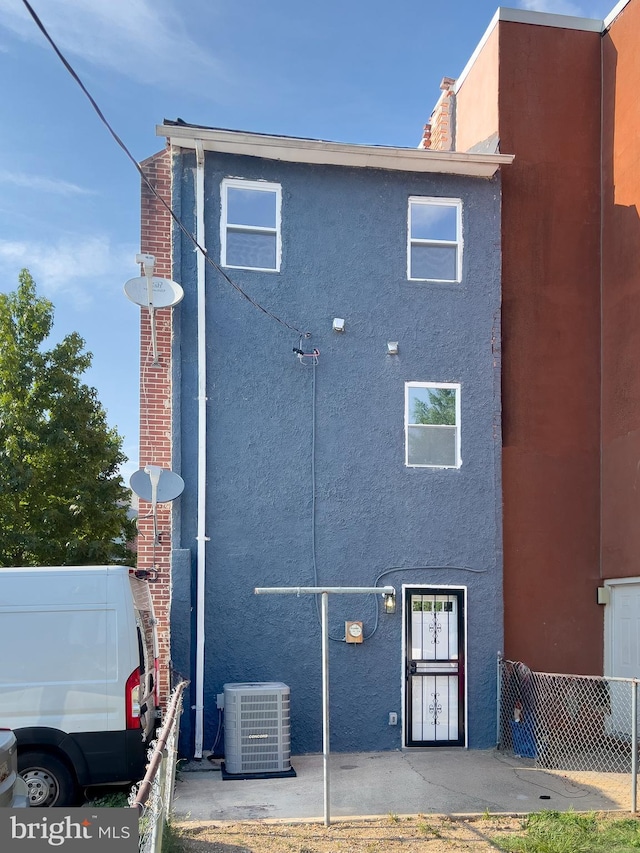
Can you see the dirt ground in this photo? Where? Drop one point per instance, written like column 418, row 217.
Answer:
column 414, row 834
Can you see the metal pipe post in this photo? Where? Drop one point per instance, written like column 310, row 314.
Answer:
column 325, row 706
column 634, row 746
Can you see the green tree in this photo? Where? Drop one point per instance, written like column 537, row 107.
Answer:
column 440, row 408
column 62, row 500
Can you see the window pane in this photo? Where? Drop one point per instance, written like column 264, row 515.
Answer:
column 249, row 249
column 251, row 207
column 432, row 406
column 432, row 445
column 434, row 222
column 435, row 263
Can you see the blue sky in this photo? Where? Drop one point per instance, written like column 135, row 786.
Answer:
column 345, row 70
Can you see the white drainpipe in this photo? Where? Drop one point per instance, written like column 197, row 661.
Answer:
column 202, row 539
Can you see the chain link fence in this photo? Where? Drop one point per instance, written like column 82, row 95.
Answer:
column 153, row 796
column 584, row 726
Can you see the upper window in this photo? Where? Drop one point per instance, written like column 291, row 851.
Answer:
column 432, row 425
column 435, row 239
column 250, row 225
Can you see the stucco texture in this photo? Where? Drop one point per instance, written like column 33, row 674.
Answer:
column 296, row 452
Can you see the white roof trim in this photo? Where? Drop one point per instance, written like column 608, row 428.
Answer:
column 319, row 152
column 613, row 14
column 541, row 19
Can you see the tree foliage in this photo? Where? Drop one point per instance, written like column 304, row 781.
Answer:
column 62, row 500
column 440, row 409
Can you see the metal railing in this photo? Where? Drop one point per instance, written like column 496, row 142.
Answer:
column 583, row 725
column 153, row 796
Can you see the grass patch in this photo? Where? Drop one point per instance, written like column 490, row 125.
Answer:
column 570, row 832
column 116, row 800
column 171, row 839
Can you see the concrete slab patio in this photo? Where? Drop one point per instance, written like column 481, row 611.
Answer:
column 429, row 781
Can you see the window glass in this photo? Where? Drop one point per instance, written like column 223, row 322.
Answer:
column 249, row 249
column 434, row 263
column 434, row 239
column 432, row 425
column 250, row 224
column 251, row 207
column 433, row 221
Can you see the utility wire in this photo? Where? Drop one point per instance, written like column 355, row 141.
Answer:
column 122, row 145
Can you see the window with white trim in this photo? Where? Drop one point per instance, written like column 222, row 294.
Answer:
column 434, row 239
column 250, row 225
column 432, row 425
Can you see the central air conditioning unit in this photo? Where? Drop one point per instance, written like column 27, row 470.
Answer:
column 257, row 729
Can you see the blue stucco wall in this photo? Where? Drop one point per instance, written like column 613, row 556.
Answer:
column 343, row 255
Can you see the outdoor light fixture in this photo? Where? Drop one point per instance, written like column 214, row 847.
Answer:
column 338, row 324
column 389, row 602
column 392, row 347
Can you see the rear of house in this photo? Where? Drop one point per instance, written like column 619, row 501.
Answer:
column 348, row 434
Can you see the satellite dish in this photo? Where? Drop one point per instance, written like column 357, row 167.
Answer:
column 156, row 485
column 164, row 292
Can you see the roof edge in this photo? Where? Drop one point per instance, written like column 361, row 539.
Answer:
column 320, row 152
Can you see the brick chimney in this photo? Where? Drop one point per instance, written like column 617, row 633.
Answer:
column 439, row 132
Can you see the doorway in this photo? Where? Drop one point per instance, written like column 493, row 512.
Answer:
column 434, row 666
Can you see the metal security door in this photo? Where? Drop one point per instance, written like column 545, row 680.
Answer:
column 434, row 710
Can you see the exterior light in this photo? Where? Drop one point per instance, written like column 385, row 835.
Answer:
column 389, row 602
column 392, row 347
column 338, row 324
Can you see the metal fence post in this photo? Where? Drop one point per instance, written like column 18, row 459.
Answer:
column 498, row 698
column 634, row 745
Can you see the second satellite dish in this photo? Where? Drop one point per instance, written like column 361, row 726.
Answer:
column 164, row 292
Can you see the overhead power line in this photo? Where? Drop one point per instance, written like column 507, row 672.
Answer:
column 146, row 181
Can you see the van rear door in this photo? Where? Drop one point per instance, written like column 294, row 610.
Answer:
column 148, row 652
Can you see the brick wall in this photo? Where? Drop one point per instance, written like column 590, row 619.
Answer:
column 155, row 402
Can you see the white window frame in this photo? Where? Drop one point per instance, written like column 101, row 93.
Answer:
column 407, row 388
column 442, row 202
column 225, row 225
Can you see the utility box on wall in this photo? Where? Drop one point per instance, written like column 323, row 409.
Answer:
column 257, row 729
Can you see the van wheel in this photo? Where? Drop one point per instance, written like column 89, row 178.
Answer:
column 49, row 780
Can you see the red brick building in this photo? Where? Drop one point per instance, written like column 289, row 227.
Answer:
column 561, row 94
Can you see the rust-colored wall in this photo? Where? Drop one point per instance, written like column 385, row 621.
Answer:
column 549, row 100
column 477, row 98
column 621, row 298
column 540, row 87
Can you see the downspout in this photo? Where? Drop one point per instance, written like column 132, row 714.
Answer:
column 201, row 537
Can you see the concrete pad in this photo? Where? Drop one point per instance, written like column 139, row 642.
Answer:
column 426, row 781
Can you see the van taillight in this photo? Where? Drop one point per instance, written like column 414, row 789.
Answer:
column 132, row 700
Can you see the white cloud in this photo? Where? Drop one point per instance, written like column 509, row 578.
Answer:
column 41, row 184
column 557, row 7
column 145, row 40
column 76, row 267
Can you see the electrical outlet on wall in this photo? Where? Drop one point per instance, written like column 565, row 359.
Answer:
column 393, row 718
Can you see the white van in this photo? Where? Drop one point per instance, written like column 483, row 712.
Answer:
column 78, row 676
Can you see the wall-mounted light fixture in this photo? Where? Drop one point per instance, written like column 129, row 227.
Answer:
column 389, row 602
column 338, row 324
column 392, row 347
